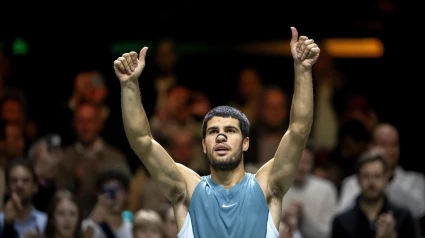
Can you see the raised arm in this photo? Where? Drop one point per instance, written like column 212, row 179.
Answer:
column 278, row 174
column 305, row 52
column 160, row 165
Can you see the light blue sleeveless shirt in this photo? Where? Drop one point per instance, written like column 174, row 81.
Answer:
column 241, row 211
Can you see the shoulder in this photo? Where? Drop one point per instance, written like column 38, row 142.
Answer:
column 400, row 212
column 322, row 183
column 344, row 217
column 40, row 214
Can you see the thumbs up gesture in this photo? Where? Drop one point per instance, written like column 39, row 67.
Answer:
column 304, row 51
column 130, row 65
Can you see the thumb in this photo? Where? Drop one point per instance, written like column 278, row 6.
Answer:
column 294, row 38
column 142, row 54
column 17, row 201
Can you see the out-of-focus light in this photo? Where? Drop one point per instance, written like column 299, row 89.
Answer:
column 20, row 47
column 354, row 48
column 335, row 47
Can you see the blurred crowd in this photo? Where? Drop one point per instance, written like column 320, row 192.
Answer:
column 50, row 187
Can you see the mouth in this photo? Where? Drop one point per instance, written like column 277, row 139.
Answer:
column 221, row 149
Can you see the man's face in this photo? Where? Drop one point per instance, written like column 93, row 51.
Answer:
column 388, row 140
column 14, row 143
column 87, row 123
column 223, row 143
column 372, row 180
column 120, row 199
column 305, row 166
column 22, row 183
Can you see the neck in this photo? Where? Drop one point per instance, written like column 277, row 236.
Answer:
column 89, row 145
column 228, row 178
column 25, row 213
column 63, row 236
column 371, row 207
column 114, row 221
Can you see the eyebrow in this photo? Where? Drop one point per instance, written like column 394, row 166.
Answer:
column 225, row 127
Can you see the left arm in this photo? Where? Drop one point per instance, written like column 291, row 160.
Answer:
column 277, row 175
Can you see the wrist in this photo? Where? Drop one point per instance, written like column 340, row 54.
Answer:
column 301, row 68
column 129, row 83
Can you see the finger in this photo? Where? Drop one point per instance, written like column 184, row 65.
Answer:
column 17, row 201
column 313, row 50
column 119, row 66
column 133, row 56
column 126, row 66
column 300, row 44
column 294, row 37
column 142, row 54
column 127, row 57
column 305, row 48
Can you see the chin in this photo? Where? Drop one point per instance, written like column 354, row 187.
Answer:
column 228, row 163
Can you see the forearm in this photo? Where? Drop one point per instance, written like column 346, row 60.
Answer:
column 301, row 115
column 136, row 123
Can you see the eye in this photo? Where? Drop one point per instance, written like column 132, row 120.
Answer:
column 212, row 132
column 230, row 130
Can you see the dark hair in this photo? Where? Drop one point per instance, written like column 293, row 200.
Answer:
column 50, row 227
column 227, row 112
column 370, row 157
column 23, row 163
column 112, row 174
column 355, row 129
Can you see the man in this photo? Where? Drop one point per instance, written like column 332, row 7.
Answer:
column 20, row 218
column 310, row 203
column 373, row 215
column 229, row 202
column 405, row 188
column 106, row 218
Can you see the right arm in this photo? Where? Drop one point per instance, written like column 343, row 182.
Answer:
column 160, row 165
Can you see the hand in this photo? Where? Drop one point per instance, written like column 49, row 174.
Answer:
column 304, row 51
column 13, row 208
column 292, row 215
column 102, row 208
column 33, row 234
column 128, row 67
column 385, row 226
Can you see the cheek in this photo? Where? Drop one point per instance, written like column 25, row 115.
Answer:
column 59, row 221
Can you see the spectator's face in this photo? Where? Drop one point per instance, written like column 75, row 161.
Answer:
column 66, row 218
column 147, row 233
column 386, row 137
column 274, row 109
column 22, row 183
column 88, row 123
column 305, row 166
column 372, row 180
column 14, row 143
column 120, row 199
column 12, row 111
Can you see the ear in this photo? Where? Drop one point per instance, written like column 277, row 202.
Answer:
column 245, row 144
column 204, row 147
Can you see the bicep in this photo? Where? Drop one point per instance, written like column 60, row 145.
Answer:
column 162, row 169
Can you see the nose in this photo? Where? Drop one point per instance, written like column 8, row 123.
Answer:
column 221, row 138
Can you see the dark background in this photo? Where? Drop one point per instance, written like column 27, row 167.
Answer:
column 72, row 37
